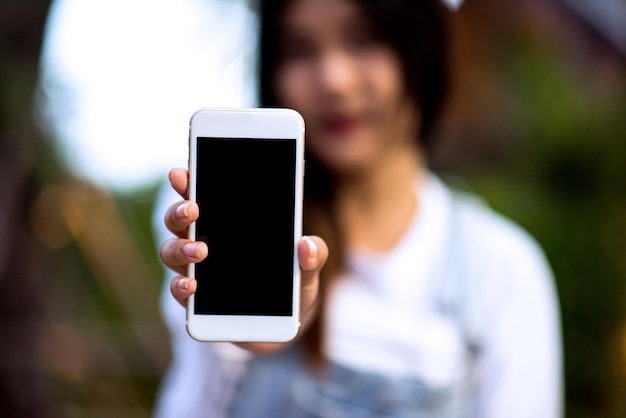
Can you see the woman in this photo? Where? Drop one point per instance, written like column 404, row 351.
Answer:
column 429, row 304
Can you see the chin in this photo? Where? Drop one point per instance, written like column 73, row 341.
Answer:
column 347, row 166
column 345, row 155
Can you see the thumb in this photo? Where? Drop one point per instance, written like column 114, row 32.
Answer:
column 312, row 255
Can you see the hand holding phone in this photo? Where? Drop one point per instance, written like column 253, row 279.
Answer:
column 246, row 169
column 312, row 254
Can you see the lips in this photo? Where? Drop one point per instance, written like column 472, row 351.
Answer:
column 341, row 124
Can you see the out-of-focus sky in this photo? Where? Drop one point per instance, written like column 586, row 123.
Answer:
column 120, row 80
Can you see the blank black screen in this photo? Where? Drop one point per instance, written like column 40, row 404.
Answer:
column 246, row 194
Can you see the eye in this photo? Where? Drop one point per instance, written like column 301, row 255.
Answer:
column 362, row 36
column 295, row 48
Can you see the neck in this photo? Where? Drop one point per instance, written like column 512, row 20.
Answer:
column 375, row 207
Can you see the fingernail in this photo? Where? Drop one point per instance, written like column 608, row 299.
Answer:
column 182, row 211
column 191, row 250
column 312, row 248
column 183, row 283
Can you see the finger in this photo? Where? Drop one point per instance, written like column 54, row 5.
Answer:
column 180, row 215
column 182, row 287
column 179, row 178
column 312, row 255
column 177, row 253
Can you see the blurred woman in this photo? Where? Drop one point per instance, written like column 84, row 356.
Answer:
column 429, row 304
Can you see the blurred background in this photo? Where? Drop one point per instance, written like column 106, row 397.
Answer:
column 95, row 99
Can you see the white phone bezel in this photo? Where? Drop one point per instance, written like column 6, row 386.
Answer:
column 248, row 123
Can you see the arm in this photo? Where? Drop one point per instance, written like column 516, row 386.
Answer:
column 521, row 360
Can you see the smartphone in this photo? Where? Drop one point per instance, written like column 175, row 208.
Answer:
column 246, row 169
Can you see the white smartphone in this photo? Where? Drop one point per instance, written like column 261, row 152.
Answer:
column 246, row 169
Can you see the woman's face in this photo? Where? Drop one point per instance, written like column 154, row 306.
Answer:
column 346, row 82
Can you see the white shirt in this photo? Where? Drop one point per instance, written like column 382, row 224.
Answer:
column 383, row 307
column 383, row 318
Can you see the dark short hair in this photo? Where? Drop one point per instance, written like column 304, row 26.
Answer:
column 415, row 29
